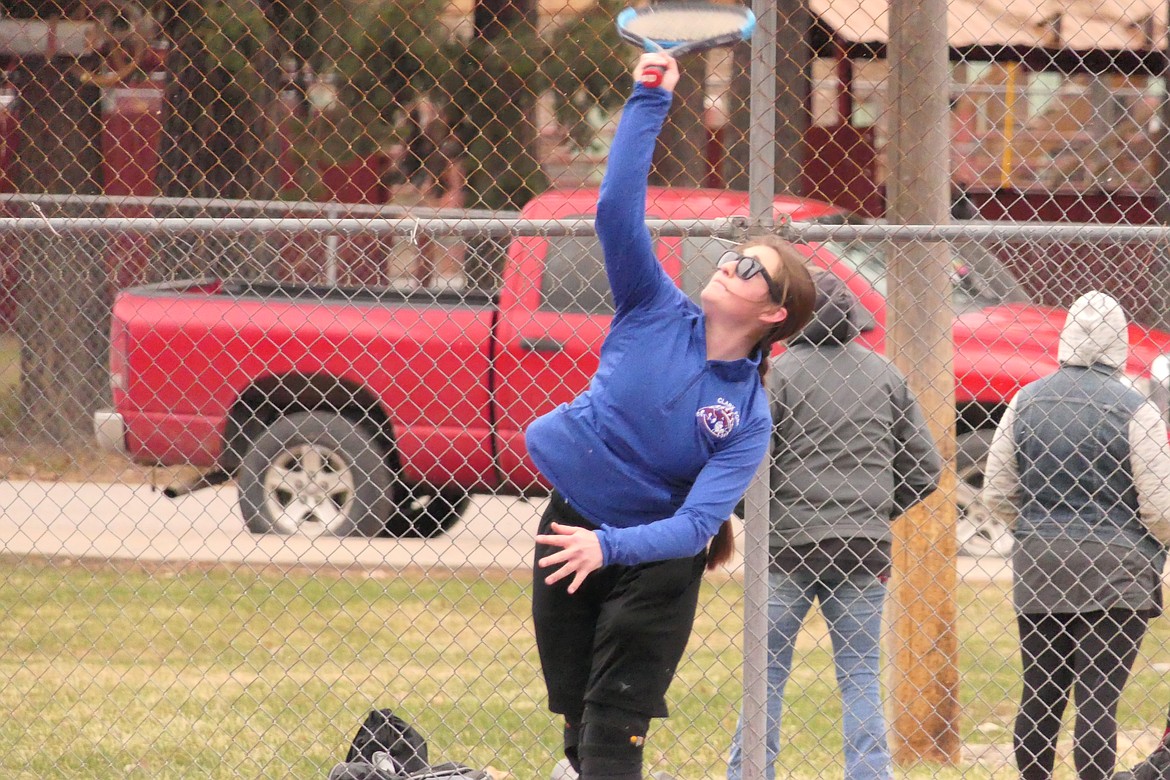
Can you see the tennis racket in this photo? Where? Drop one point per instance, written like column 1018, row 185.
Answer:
column 680, row 28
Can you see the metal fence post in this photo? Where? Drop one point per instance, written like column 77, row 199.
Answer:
column 761, row 188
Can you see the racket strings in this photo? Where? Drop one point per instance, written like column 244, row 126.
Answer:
column 685, row 25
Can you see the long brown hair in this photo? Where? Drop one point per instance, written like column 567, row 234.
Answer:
column 722, row 546
column 800, row 294
column 800, row 297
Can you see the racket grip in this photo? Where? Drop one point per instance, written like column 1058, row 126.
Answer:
column 652, row 75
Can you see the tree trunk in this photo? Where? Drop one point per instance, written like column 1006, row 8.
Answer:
column 263, row 139
column 262, row 145
column 793, row 72
column 62, row 316
column 680, row 158
column 502, row 109
column 1159, row 258
column 181, row 149
column 737, row 151
column 497, row 128
column 493, row 18
column 218, row 141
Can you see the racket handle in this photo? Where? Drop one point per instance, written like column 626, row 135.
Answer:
column 652, row 75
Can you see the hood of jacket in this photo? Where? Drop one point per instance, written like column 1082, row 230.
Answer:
column 1096, row 331
column 837, row 318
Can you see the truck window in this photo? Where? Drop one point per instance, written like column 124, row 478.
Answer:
column 574, row 273
column 979, row 278
column 574, row 278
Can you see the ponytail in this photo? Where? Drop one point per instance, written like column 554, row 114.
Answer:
column 800, row 297
column 765, row 347
column 722, row 546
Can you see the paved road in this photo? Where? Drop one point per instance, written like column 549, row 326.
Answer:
column 134, row 522
column 118, row 521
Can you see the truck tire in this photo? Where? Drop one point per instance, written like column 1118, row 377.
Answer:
column 315, row 472
column 980, row 533
column 422, row 512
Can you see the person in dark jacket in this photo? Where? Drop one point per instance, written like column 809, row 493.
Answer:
column 851, row 452
column 1079, row 469
column 648, row 464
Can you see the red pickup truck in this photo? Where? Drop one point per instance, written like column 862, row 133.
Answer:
column 375, row 411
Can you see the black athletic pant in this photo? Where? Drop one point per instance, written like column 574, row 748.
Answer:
column 1090, row 655
column 609, row 651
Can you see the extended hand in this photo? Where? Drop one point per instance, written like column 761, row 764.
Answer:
column 580, row 553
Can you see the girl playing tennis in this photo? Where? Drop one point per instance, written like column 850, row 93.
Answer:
column 648, row 464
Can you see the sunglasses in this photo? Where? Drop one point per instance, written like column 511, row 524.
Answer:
column 746, row 267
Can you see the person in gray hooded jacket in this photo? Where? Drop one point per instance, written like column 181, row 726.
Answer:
column 851, row 452
column 1079, row 469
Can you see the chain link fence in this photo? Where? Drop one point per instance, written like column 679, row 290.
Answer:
column 284, row 283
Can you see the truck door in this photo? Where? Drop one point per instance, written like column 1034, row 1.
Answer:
column 555, row 311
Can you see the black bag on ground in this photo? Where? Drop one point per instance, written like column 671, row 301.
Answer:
column 362, row 770
column 388, row 748
column 1155, row 767
column 385, row 732
column 450, row 770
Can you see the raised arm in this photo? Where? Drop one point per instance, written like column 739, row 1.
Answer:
column 635, row 276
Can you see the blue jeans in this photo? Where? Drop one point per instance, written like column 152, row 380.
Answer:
column 852, row 607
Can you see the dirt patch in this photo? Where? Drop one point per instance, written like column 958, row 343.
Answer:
column 1132, row 747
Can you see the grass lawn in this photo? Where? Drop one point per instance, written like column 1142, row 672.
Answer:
column 234, row 673
column 9, row 381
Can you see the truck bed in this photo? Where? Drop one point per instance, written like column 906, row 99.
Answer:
column 195, row 352
column 243, row 289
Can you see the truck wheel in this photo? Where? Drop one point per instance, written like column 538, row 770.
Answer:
column 423, row 512
column 980, row 533
column 315, row 472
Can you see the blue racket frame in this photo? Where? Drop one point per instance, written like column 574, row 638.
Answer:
column 678, row 48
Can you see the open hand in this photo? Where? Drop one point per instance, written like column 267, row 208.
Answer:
column 580, row 553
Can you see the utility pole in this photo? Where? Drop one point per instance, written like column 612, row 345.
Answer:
column 1159, row 255
column 924, row 644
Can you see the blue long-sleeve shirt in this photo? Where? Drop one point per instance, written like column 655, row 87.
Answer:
column 661, row 447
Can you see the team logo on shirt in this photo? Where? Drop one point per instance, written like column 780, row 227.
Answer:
column 720, row 418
